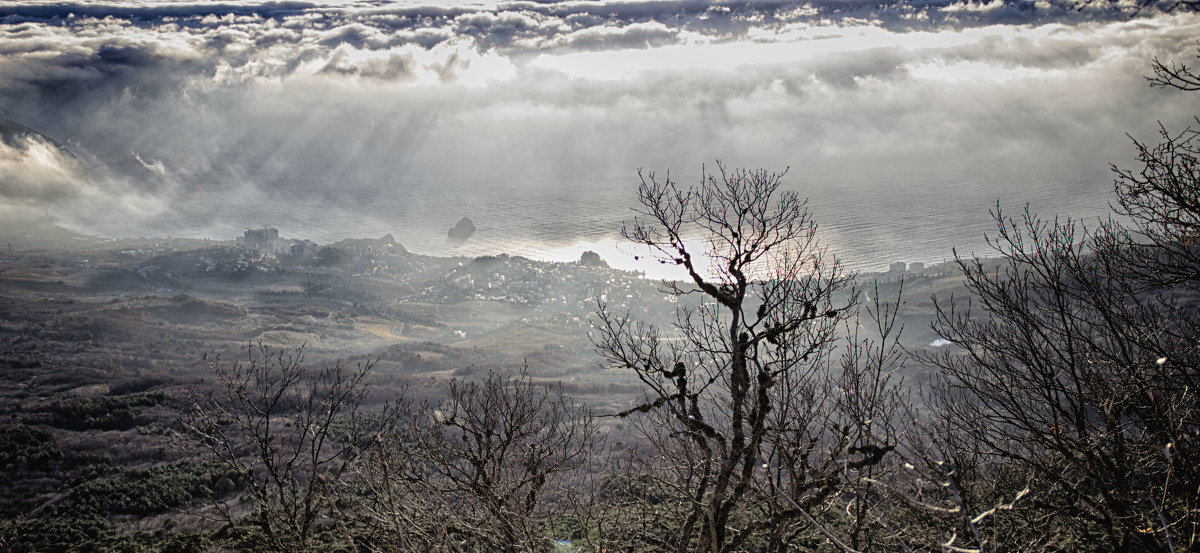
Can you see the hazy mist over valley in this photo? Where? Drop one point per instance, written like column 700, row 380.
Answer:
column 400, row 215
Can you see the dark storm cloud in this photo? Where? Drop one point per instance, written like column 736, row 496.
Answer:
column 149, row 12
column 141, row 47
column 529, row 25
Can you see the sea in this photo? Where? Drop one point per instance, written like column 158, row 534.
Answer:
column 867, row 218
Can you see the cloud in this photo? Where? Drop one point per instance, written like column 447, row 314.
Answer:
column 203, row 118
column 36, row 172
column 388, row 67
column 632, row 36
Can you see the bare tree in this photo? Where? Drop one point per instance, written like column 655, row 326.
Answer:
column 1174, row 74
column 479, row 471
column 751, row 439
column 290, row 434
column 1077, row 367
column 1068, row 401
column 873, row 411
column 1161, row 201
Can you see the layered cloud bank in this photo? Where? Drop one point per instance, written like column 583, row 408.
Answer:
column 202, row 118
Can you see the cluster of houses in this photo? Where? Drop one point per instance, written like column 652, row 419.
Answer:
column 266, row 239
column 899, row 268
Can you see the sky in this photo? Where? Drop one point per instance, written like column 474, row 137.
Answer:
column 355, row 118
